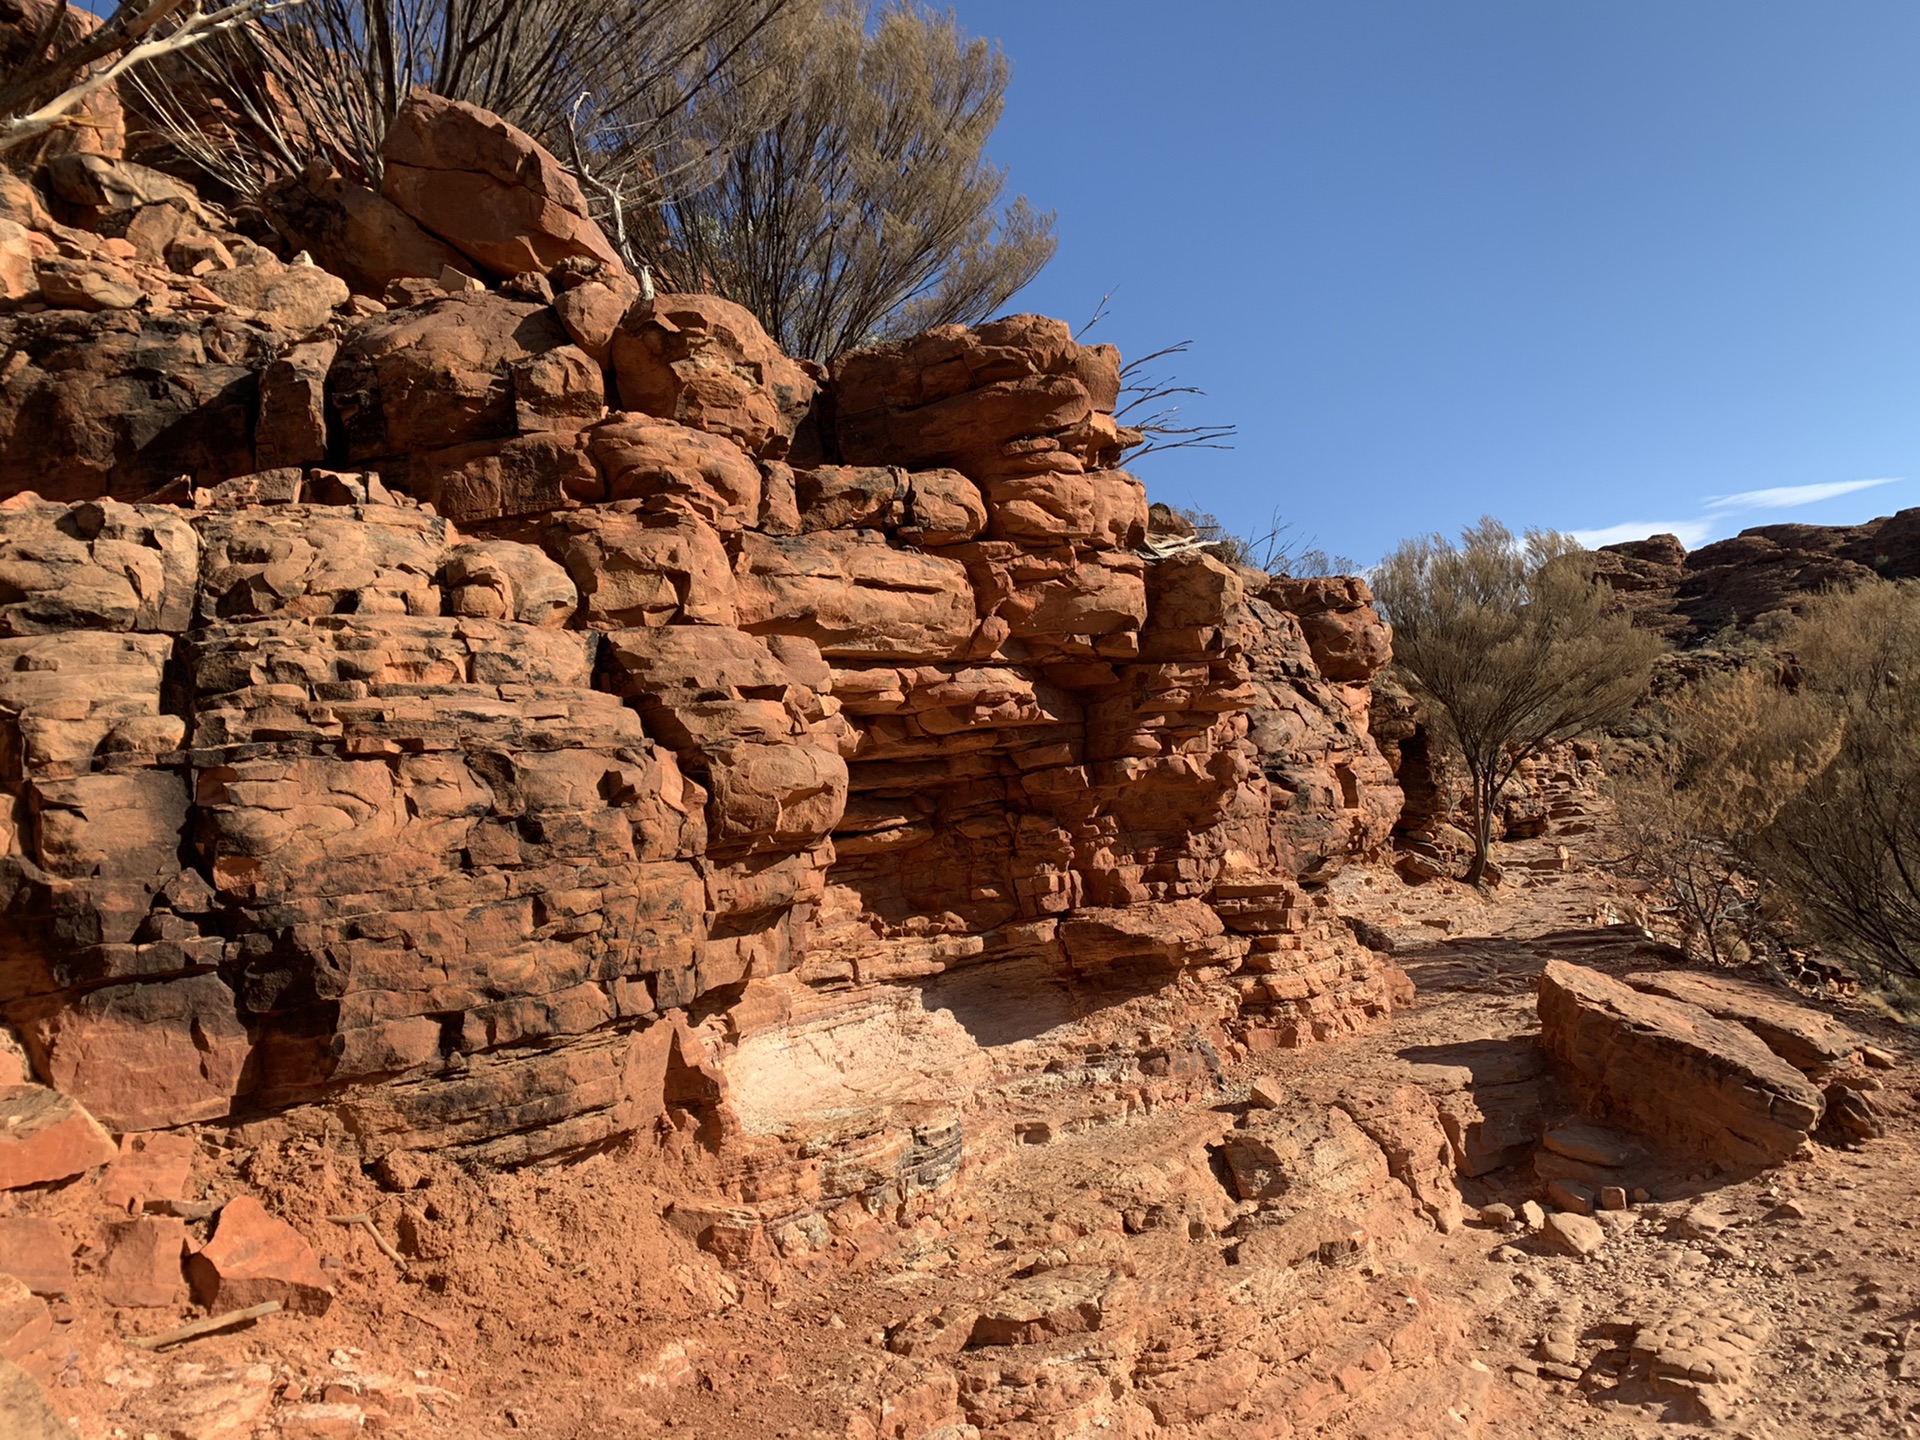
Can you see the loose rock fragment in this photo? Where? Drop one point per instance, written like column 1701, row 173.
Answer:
column 46, row 1136
column 254, row 1258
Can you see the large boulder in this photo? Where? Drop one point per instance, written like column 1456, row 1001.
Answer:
column 707, row 364
column 358, row 233
column 1011, row 398
column 119, row 403
column 635, row 569
column 489, row 190
column 456, row 371
column 671, row 467
column 1673, row 1072
column 45, row 1136
column 1349, row 641
column 255, row 1257
column 146, row 1055
column 852, row 594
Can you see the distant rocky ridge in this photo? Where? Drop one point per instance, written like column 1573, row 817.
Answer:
column 510, row 715
column 1690, row 596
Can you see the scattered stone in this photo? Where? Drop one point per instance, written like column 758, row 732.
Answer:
column 142, row 1264
column 1266, row 1093
column 1557, row 1345
column 1699, row 1223
column 153, row 1167
column 1568, row 1196
column 1533, row 1215
column 1613, row 1197
column 945, row 1332
column 1852, row 1114
column 46, row 1136
column 36, row 1251
column 1788, row 1210
column 255, row 1257
column 1499, row 1215
column 25, row 1322
column 1879, row 1059
column 1576, row 1234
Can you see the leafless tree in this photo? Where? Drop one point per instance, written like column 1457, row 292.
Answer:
column 1151, row 408
column 1277, row 550
column 61, row 73
column 1151, row 420
column 1512, row 647
column 326, row 82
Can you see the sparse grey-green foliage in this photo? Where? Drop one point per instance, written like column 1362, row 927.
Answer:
column 833, row 180
column 1511, row 646
column 1841, row 837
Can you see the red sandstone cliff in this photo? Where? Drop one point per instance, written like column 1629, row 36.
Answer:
column 635, row 731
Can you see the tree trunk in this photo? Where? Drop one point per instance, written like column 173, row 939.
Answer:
column 1484, row 797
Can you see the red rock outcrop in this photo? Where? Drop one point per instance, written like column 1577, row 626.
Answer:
column 486, row 188
column 519, row 718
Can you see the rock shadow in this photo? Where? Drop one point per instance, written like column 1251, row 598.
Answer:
column 1006, row 1002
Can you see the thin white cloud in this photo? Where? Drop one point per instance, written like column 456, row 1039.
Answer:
column 1714, row 522
column 1785, row 497
column 1692, row 533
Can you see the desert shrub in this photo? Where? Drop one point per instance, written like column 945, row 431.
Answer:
column 1511, row 647
column 1732, row 749
column 1797, row 779
column 1844, row 842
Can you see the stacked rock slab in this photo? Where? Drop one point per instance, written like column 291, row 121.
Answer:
column 658, row 693
column 1672, row 1071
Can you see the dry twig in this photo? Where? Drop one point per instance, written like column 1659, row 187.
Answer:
column 213, row 1324
column 365, row 1220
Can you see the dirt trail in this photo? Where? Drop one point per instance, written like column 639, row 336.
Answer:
column 554, row 1302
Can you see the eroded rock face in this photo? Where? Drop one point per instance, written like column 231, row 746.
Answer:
column 635, row 731
column 1689, row 596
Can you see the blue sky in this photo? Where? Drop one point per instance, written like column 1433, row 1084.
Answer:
column 1607, row 267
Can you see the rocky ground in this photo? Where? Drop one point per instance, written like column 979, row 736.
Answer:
column 1099, row 1279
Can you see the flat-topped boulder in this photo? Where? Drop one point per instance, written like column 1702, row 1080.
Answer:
column 1673, row 1072
column 1798, row 1034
